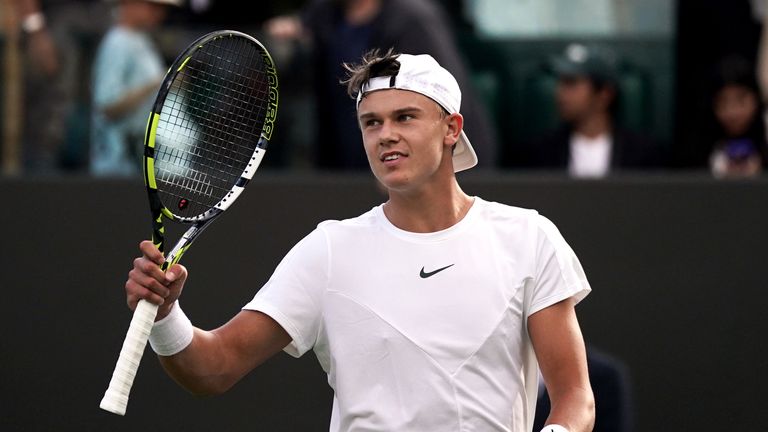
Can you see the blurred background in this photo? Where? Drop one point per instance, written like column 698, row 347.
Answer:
column 637, row 126
column 665, row 86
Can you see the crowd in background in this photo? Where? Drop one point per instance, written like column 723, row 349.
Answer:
column 91, row 69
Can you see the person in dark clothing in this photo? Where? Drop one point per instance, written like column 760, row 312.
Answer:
column 591, row 143
column 611, row 386
column 341, row 30
column 55, row 39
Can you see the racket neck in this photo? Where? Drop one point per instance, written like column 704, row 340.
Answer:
column 174, row 256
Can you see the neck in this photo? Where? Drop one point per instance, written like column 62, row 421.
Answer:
column 359, row 12
column 594, row 125
column 432, row 208
column 128, row 22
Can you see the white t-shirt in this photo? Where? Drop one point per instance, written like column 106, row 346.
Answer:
column 590, row 157
column 424, row 332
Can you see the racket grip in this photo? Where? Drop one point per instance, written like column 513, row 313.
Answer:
column 116, row 397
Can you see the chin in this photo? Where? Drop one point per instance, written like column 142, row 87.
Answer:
column 394, row 181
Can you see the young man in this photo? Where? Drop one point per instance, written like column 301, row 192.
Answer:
column 591, row 143
column 341, row 31
column 428, row 312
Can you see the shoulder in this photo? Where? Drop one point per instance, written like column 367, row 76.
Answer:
column 520, row 223
column 119, row 36
column 365, row 221
column 123, row 42
column 406, row 11
column 495, row 212
column 112, row 38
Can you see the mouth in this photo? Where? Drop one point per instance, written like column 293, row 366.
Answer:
column 391, row 156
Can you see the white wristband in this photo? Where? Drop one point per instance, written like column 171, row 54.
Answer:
column 172, row 333
column 33, row 22
column 554, row 428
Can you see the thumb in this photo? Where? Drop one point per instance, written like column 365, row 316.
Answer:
column 176, row 275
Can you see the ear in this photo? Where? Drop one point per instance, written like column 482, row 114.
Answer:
column 455, row 125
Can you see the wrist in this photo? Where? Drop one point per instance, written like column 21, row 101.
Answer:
column 554, row 428
column 171, row 334
column 33, row 22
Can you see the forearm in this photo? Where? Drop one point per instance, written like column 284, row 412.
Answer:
column 574, row 410
column 130, row 101
column 215, row 360
column 561, row 354
column 201, row 368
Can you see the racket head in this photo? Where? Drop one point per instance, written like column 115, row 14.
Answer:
column 209, row 127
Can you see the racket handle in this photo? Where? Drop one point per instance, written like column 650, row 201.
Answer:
column 116, row 397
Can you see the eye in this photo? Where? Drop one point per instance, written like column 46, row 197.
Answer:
column 405, row 117
column 371, row 122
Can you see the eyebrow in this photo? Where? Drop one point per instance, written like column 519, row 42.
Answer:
column 404, row 110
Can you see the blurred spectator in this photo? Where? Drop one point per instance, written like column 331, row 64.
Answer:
column 707, row 32
column 611, row 387
column 54, row 31
column 126, row 75
column 738, row 144
column 591, row 143
column 341, row 31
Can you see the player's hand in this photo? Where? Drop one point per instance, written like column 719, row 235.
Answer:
column 146, row 280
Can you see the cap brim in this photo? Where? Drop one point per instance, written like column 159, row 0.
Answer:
column 566, row 68
column 464, row 156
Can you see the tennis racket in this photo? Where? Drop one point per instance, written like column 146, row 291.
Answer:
column 206, row 136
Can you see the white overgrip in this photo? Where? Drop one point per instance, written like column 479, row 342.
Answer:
column 116, row 397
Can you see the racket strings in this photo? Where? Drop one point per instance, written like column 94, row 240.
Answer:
column 223, row 121
column 210, row 124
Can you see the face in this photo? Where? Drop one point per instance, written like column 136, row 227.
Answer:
column 577, row 99
column 150, row 15
column 735, row 108
column 407, row 138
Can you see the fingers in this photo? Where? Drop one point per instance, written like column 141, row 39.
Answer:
column 146, row 280
column 136, row 292
column 150, row 251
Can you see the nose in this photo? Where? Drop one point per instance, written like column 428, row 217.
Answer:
column 388, row 133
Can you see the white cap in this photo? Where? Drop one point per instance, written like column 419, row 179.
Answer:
column 422, row 74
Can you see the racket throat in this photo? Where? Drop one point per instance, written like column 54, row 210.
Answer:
column 174, row 256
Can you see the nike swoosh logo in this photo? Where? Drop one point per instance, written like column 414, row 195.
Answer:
column 425, row 275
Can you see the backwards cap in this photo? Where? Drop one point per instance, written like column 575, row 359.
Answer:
column 423, row 75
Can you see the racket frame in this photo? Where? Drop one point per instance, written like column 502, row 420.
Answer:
column 115, row 399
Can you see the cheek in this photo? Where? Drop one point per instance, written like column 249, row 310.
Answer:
column 572, row 99
column 369, row 142
column 735, row 113
column 747, row 110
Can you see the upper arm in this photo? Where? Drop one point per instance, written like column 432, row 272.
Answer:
column 559, row 347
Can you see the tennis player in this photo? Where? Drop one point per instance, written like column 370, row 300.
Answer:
column 430, row 312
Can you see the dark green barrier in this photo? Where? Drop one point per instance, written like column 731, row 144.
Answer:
column 677, row 266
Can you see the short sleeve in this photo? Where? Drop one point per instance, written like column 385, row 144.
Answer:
column 558, row 272
column 293, row 295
